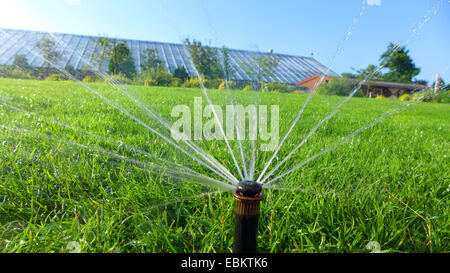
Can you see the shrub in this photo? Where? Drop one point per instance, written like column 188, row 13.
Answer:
column 212, row 84
column 154, row 77
column 405, row 97
column 176, row 82
column 15, row 73
column 276, row 87
column 192, row 82
column 89, row 79
column 223, row 85
column 444, row 96
column 429, row 95
column 117, row 79
column 417, row 96
column 248, row 88
column 381, row 97
column 56, row 77
column 339, row 87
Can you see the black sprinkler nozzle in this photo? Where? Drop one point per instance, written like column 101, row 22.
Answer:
column 248, row 197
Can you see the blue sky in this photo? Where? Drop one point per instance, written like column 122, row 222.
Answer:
column 296, row 27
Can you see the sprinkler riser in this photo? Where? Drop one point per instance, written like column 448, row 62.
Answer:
column 248, row 198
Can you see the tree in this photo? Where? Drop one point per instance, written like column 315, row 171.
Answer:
column 442, row 85
column 181, row 73
column 349, row 75
column 423, row 82
column 103, row 51
column 263, row 67
column 371, row 72
column 150, row 60
column 205, row 59
column 21, row 61
column 46, row 47
column 227, row 69
column 121, row 61
column 400, row 65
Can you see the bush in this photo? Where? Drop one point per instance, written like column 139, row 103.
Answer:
column 276, row 87
column 192, row 82
column 444, row 96
column 154, row 77
column 176, row 82
column 248, row 88
column 339, row 87
column 212, row 83
column 15, row 73
column 405, row 97
column 117, row 79
column 381, row 97
column 89, row 79
column 56, row 77
column 428, row 95
column 223, row 85
column 417, row 96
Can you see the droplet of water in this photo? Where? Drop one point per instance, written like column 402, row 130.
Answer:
column 374, row 246
column 74, row 247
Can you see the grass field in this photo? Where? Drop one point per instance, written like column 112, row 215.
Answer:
column 390, row 184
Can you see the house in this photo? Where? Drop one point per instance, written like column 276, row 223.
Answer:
column 370, row 88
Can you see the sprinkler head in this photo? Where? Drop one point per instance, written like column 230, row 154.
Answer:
column 248, row 197
column 249, row 189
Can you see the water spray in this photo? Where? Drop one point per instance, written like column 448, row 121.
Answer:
column 248, row 197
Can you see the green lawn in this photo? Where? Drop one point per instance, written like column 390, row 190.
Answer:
column 389, row 184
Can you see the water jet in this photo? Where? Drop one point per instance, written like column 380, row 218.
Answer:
column 248, row 197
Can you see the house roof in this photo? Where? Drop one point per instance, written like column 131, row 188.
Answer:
column 77, row 50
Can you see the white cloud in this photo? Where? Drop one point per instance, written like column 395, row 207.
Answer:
column 374, row 2
column 73, row 2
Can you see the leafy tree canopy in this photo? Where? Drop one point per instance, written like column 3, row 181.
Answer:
column 150, row 60
column 46, row 47
column 400, row 65
column 181, row 73
column 205, row 59
column 21, row 61
column 262, row 67
column 397, row 63
column 121, row 61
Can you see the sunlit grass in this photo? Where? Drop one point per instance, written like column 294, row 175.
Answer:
column 389, row 184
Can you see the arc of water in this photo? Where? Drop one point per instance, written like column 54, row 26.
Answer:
column 123, row 111
column 395, row 49
column 202, row 179
column 205, row 93
column 206, row 156
column 316, row 86
column 343, row 140
column 250, row 173
column 80, row 130
column 189, row 143
column 235, row 123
